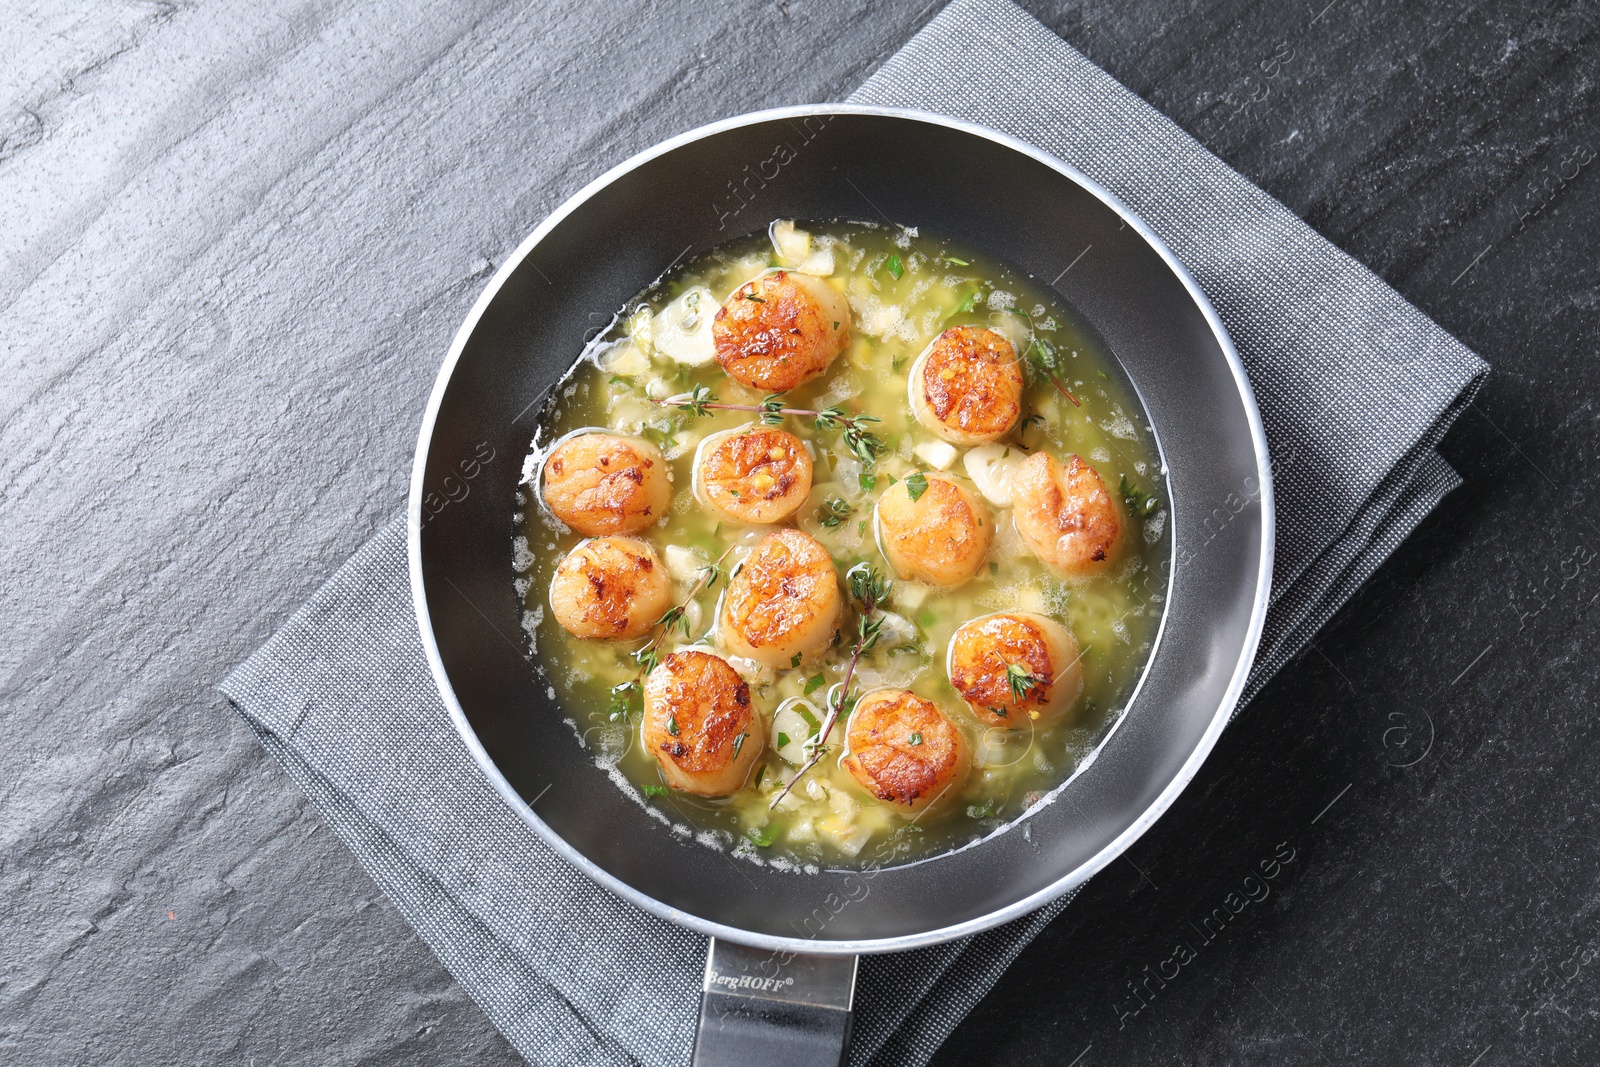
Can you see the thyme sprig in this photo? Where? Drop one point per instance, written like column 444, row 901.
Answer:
column 833, row 511
column 868, row 590
column 1139, row 501
column 649, row 655
column 1045, row 358
column 1022, row 681
column 862, row 442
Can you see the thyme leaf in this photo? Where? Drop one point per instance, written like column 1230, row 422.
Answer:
column 833, row 511
column 623, row 700
column 699, row 398
column 1022, row 682
column 1139, row 502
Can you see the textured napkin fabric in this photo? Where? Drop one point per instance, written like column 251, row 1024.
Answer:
column 1355, row 388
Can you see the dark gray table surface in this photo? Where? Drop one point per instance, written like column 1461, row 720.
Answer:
column 235, row 240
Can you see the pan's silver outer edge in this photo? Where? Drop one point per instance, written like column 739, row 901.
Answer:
column 1113, row 848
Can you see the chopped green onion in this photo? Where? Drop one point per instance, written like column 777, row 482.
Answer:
column 811, row 720
column 916, row 485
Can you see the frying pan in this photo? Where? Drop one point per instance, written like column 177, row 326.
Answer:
column 780, row 973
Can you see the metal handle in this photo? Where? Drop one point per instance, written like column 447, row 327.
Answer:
column 776, row 1009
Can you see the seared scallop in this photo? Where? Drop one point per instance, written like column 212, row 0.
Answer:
column 699, row 725
column 783, row 602
column 757, row 474
column 966, row 386
column 1013, row 668
column 902, row 749
column 610, row 587
column 1065, row 515
column 601, row 483
column 932, row 529
column 781, row 329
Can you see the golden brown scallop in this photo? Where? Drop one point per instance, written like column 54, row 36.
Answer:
column 610, row 587
column 783, row 602
column 780, row 330
column 941, row 537
column 1065, row 515
column 967, row 386
column 1014, row 667
column 755, row 474
column 601, row 483
column 699, row 725
column 903, row 750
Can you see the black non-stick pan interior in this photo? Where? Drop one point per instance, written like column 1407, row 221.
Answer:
column 699, row 192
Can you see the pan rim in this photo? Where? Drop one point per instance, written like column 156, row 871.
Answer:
column 1069, row 881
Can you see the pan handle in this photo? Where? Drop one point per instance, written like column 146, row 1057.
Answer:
column 776, row 1009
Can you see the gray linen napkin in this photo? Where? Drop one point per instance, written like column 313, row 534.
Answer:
column 1355, row 386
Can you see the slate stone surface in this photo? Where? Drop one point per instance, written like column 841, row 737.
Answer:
column 234, row 242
